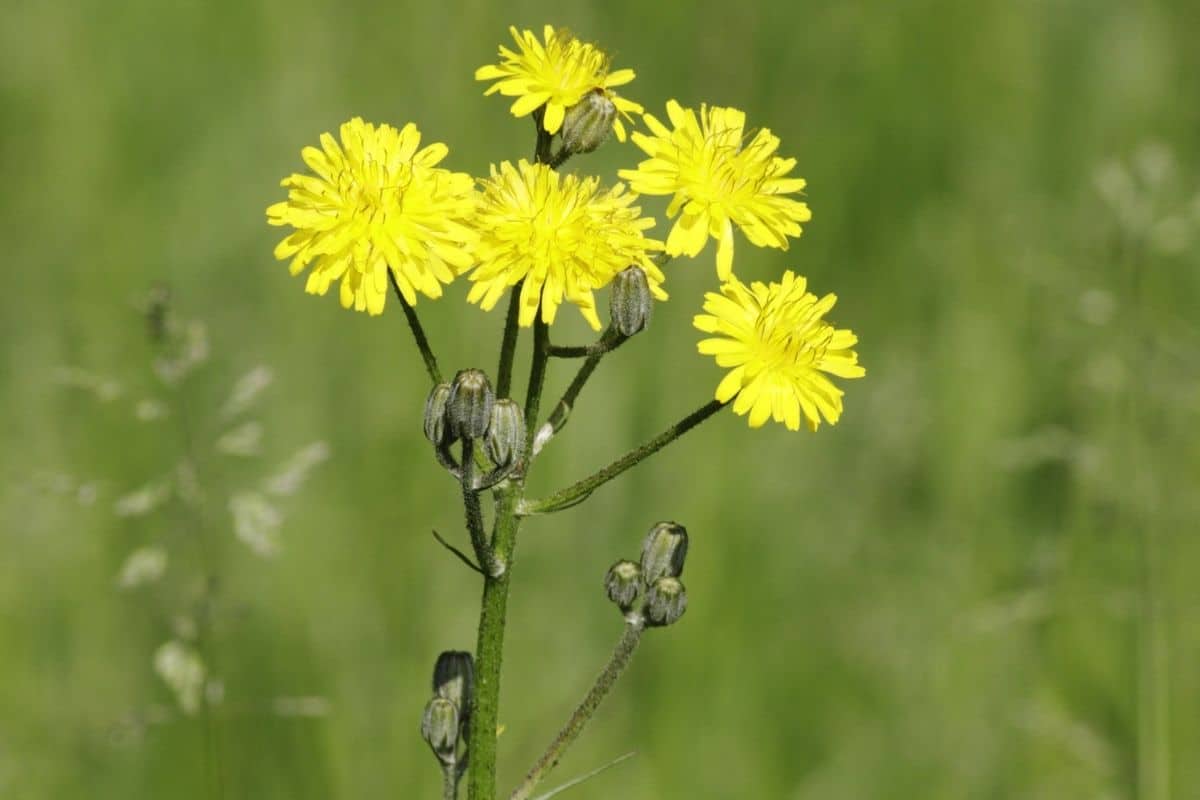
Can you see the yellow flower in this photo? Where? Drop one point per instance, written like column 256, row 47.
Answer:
column 562, row 235
column 556, row 74
column 377, row 203
column 778, row 344
column 718, row 180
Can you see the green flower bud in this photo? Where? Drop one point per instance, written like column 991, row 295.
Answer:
column 624, row 584
column 435, row 413
column 663, row 551
column 469, row 406
column 665, row 602
column 506, row 433
column 454, row 679
column 630, row 302
column 439, row 726
column 588, row 123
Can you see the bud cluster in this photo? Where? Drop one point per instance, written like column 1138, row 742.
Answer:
column 447, row 717
column 651, row 590
column 467, row 410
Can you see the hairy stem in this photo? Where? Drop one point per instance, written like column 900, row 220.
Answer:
column 610, row 340
column 489, row 649
column 578, row 491
column 449, row 782
column 620, row 659
column 489, row 654
column 414, row 324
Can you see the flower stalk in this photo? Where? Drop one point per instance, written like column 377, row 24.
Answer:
column 414, row 324
column 621, row 656
column 579, row 491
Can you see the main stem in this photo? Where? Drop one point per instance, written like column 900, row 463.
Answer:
column 489, row 652
column 620, row 659
column 489, row 649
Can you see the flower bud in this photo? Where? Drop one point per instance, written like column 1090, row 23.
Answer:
column 624, row 584
column 435, row 413
column 665, row 602
column 454, row 679
column 588, row 123
column 469, row 406
column 629, row 301
column 506, row 433
column 439, row 726
column 663, row 551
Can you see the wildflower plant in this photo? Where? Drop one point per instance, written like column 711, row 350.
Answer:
column 378, row 210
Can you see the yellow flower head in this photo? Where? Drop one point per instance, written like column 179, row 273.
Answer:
column 376, row 203
column 562, row 234
column 778, row 343
column 556, row 74
column 718, row 180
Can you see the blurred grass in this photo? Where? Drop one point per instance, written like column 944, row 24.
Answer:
column 982, row 583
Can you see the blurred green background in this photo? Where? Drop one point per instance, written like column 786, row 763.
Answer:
column 982, row 583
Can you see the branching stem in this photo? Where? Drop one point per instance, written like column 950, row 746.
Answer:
column 581, row 489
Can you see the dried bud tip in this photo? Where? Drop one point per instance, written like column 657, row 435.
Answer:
column 506, row 433
column 469, row 407
column 665, row 602
column 630, row 301
column 664, row 551
column 435, row 413
column 588, row 123
column 624, row 584
column 454, row 679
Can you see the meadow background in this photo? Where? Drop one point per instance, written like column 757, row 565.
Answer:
column 983, row 583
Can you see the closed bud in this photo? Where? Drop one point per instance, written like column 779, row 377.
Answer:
column 435, row 413
column 588, row 123
column 439, row 726
column 630, row 303
column 454, row 679
column 469, row 407
column 624, row 584
column 664, row 551
column 506, row 433
column 666, row 600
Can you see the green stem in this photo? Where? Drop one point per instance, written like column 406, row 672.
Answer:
column 414, row 324
column 541, row 151
column 449, row 782
column 489, row 653
column 508, row 345
column 622, row 655
column 609, row 340
column 562, row 409
column 483, row 552
column 489, row 649
column 537, row 379
column 581, row 489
